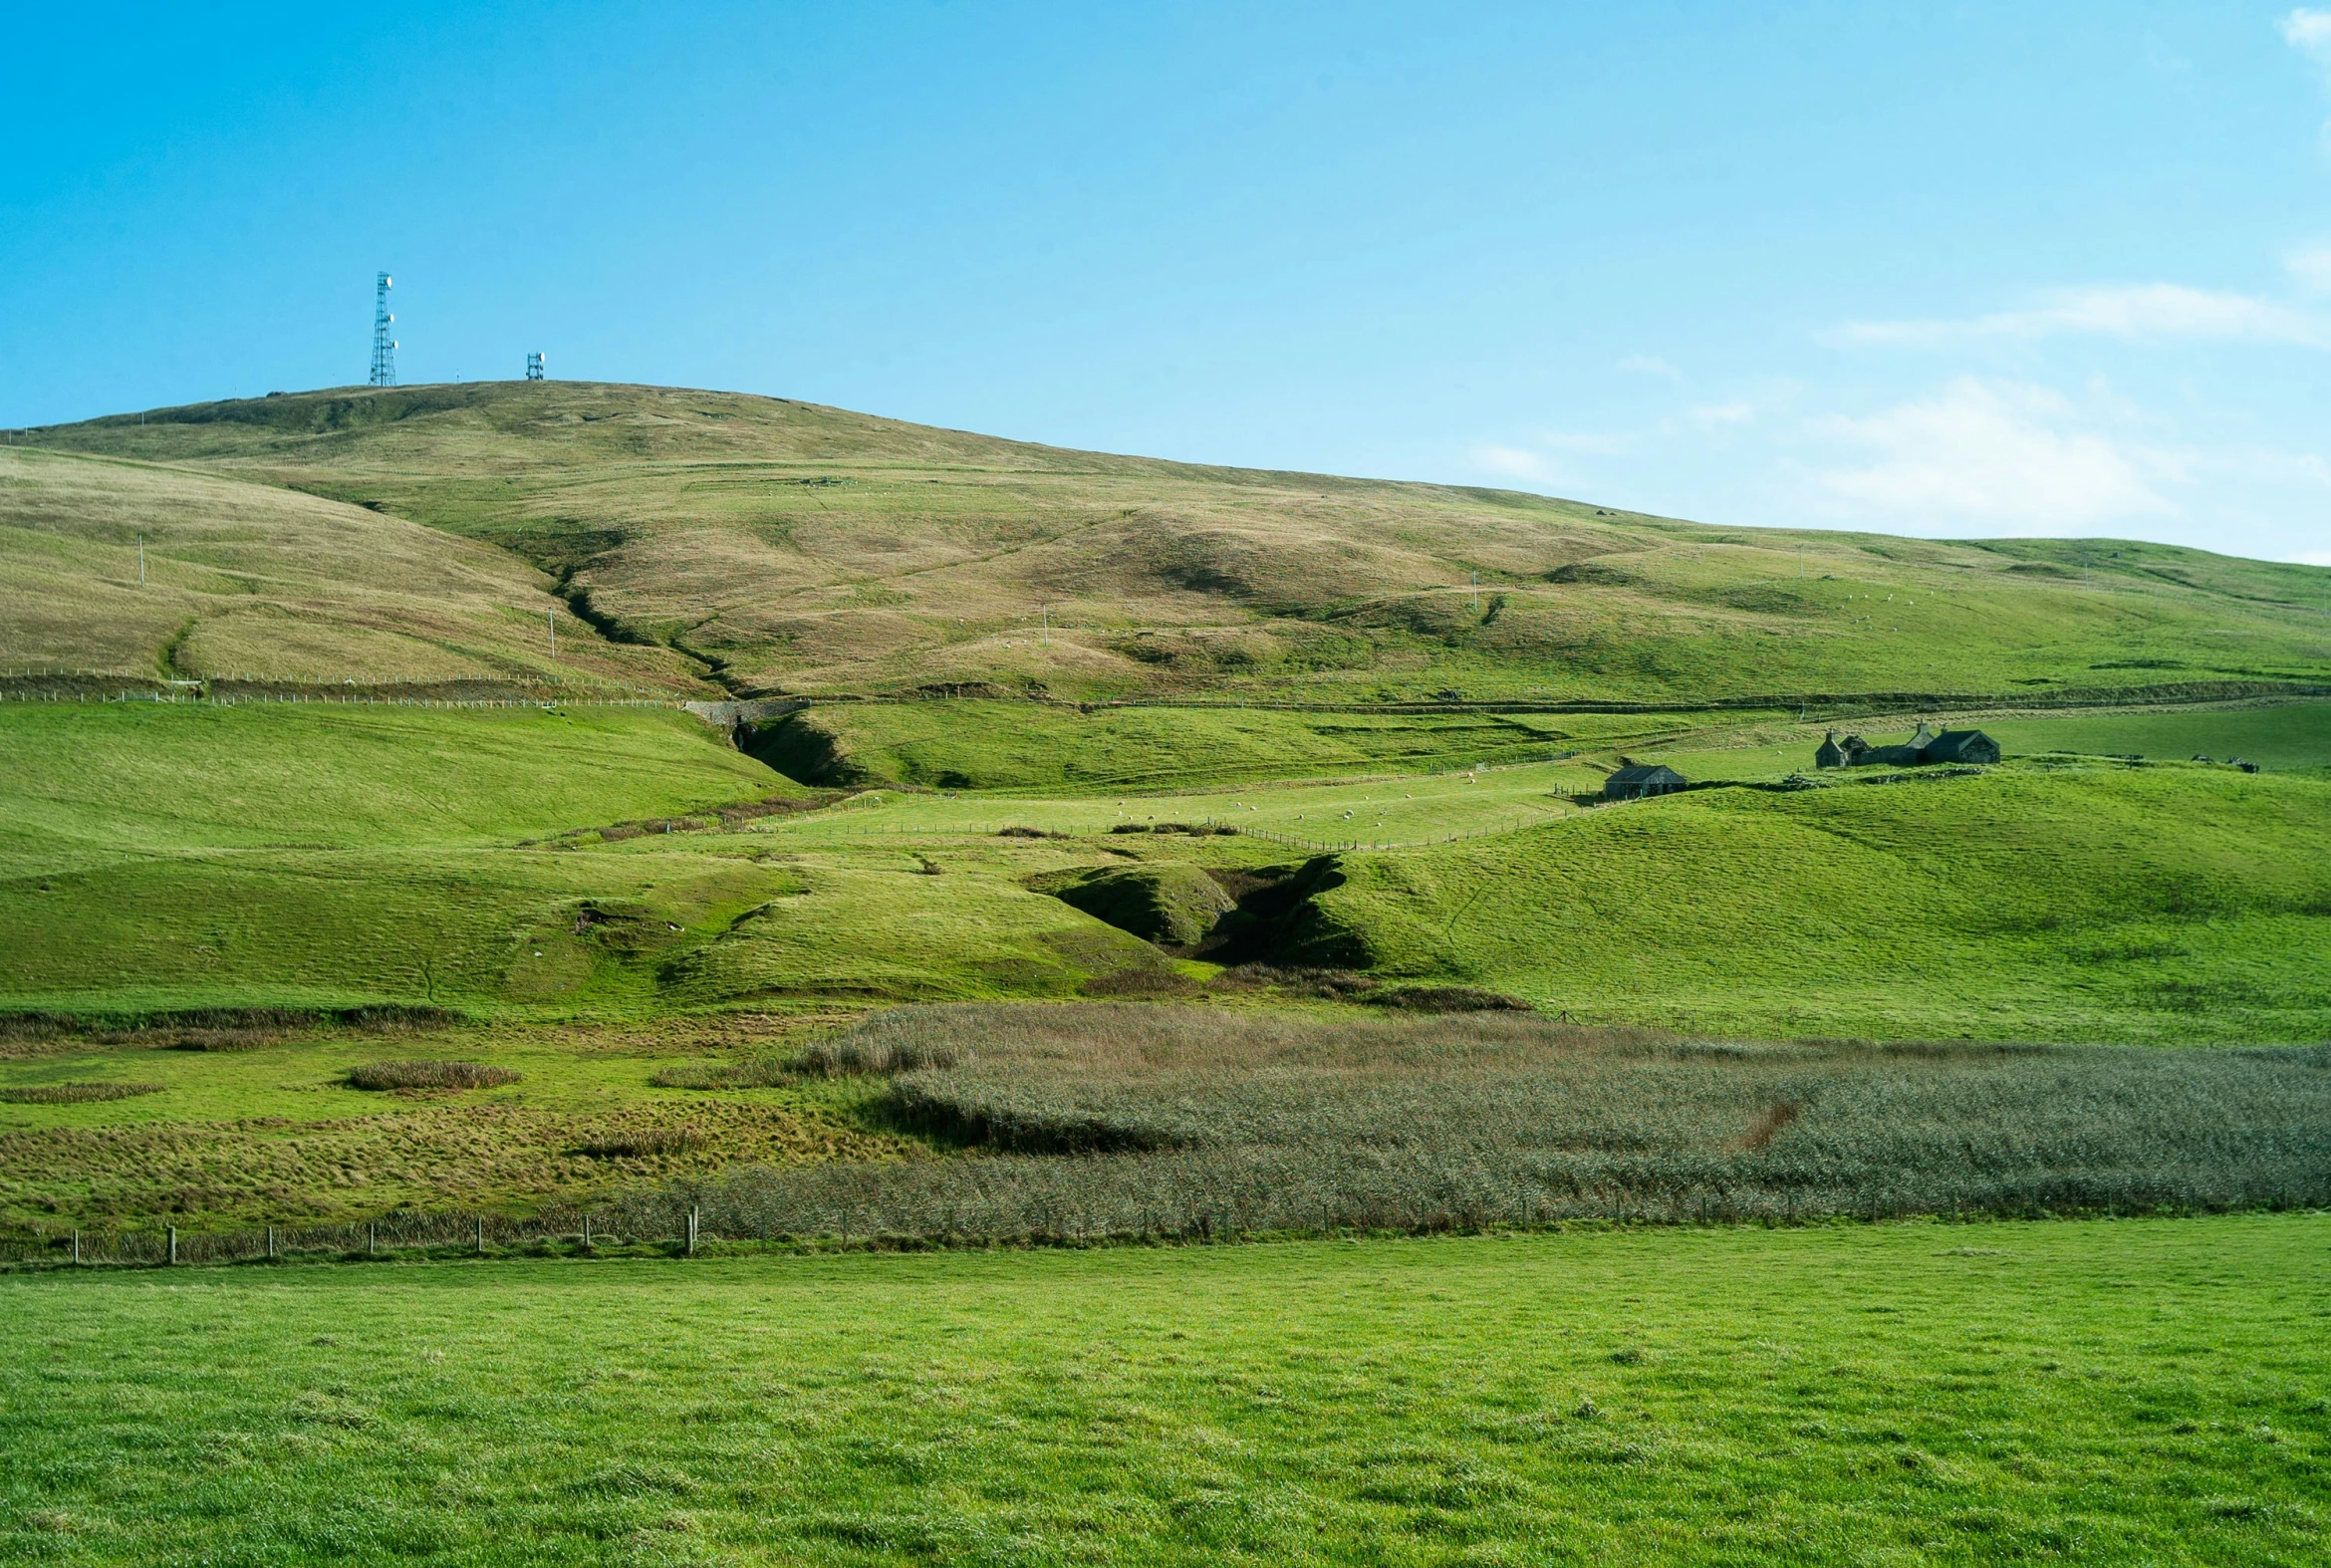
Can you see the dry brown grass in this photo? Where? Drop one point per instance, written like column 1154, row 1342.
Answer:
column 652, row 1143
column 74, row 1093
column 251, row 579
column 1770, row 1123
column 1445, row 999
column 429, row 1075
column 816, row 550
column 1118, row 1040
column 218, row 1039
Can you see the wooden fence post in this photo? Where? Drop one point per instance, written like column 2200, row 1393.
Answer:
column 481, row 1235
column 695, row 1216
column 174, row 1245
column 77, row 1247
column 270, row 1243
column 372, row 1237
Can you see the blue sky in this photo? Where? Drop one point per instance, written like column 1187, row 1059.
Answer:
column 1942, row 269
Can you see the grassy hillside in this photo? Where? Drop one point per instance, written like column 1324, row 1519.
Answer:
column 253, row 581
column 189, row 855
column 2171, row 902
column 2131, row 1392
column 184, row 854
column 783, row 545
column 1054, row 748
column 2282, row 735
column 1019, row 745
column 142, row 777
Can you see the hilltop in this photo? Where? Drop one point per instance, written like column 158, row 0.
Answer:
column 776, row 546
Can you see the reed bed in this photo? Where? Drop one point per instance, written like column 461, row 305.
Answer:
column 1092, row 1123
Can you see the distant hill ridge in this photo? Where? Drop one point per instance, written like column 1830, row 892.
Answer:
column 761, row 546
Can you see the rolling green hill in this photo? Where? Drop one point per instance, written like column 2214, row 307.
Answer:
column 783, row 546
column 2032, row 901
column 163, row 855
column 253, row 581
column 160, row 856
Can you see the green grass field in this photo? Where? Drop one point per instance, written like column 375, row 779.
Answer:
column 153, row 777
column 2136, row 1392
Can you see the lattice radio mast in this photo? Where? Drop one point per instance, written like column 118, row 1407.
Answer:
column 383, row 346
column 534, row 366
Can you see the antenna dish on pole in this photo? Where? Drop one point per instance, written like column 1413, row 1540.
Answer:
column 383, row 346
column 534, row 370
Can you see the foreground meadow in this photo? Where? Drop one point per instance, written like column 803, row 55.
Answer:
column 2098, row 1391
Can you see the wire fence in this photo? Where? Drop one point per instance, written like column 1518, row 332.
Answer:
column 652, row 1223
column 1206, row 1195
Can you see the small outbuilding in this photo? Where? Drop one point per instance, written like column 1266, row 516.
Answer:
column 1831, row 754
column 1640, row 781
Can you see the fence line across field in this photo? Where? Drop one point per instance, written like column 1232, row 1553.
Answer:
column 847, row 1208
column 672, row 1225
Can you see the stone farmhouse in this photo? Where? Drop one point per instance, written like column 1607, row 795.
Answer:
column 1927, row 745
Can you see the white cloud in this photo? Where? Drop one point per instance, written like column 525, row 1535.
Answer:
column 2140, row 311
column 2310, row 264
column 2310, row 32
column 1651, row 364
column 2313, row 558
column 2008, row 456
column 1720, row 413
column 2308, row 29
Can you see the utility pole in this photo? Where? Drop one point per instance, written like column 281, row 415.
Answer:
column 1800, row 563
column 553, row 614
column 1044, row 620
column 142, row 560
